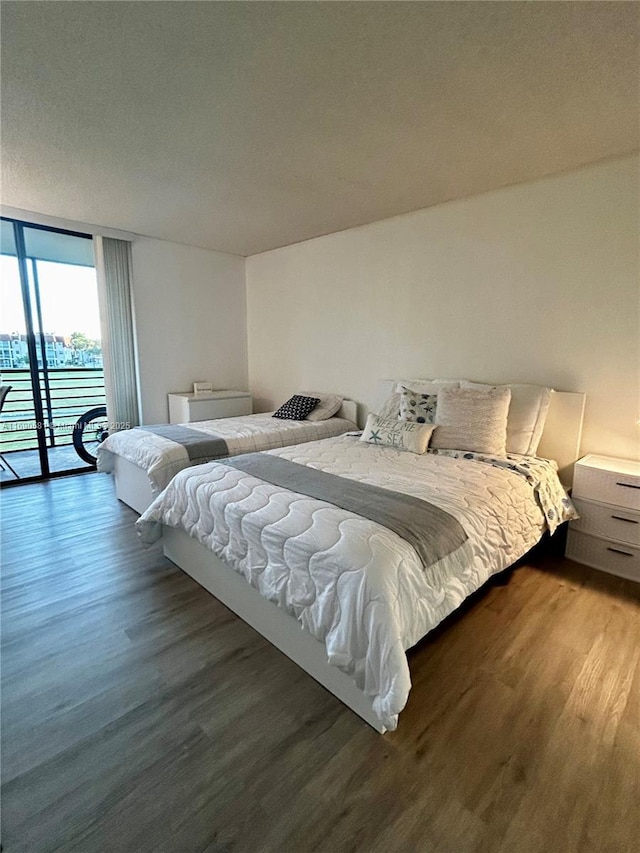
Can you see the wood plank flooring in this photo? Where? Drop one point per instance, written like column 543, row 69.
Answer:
column 141, row 715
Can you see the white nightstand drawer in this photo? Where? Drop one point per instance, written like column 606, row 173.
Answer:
column 606, row 486
column 609, row 522
column 186, row 408
column 232, row 407
column 609, row 556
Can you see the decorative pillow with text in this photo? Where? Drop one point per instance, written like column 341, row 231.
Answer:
column 405, row 435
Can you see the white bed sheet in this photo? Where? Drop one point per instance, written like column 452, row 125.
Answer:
column 354, row 585
column 162, row 458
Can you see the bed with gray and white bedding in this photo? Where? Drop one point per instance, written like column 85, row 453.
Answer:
column 356, row 581
column 159, row 452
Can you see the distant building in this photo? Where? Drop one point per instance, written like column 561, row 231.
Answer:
column 13, row 351
column 57, row 349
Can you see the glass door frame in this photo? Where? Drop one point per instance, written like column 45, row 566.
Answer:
column 41, row 422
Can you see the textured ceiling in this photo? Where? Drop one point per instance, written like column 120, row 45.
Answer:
column 246, row 126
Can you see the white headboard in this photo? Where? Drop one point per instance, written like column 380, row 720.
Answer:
column 348, row 410
column 562, row 432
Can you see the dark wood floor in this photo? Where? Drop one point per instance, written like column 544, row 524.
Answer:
column 141, row 715
column 26, row 463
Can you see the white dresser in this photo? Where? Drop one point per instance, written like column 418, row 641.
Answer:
column 185, row 408
column 606, row 492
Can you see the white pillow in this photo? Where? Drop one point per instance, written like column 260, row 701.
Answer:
column 405, row 436
column 326, row 408
column 426, row 386
column 390, row 409
column 467, row 419
column 527, row 414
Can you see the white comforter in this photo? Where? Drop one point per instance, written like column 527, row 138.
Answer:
column 162, row 458
column 353, row 584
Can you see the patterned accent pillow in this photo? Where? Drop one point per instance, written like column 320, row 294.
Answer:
column 417, row 407
column 472, row 420
column 296, row 408
column 401, row 434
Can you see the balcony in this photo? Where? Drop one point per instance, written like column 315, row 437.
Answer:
column 66, row 393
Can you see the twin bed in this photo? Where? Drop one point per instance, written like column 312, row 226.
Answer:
column 145, row 459
column 344, row 553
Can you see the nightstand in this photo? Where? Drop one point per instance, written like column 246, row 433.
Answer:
column 606, row 492
column 186, row 408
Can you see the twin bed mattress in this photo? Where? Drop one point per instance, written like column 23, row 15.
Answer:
column 353, row 579
column 161, row 451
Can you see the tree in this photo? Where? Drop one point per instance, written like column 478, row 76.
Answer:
column 84, row 350
column 79, row 340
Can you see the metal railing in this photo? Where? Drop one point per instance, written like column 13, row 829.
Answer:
column 65, row 392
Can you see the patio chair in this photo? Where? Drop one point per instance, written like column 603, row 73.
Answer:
column 4, row 390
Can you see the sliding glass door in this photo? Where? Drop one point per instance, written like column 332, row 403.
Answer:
column 50, row 352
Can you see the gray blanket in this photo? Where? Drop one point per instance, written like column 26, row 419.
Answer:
column 200, row 446
column 433, row 532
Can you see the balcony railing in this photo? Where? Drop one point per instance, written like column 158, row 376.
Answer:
column 65, row 392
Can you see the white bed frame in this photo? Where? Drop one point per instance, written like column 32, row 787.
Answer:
column 133, row 486
column 276, row 625
column 560, row 441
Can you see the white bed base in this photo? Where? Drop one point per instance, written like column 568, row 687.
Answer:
column 133, row 486
column 276, row 625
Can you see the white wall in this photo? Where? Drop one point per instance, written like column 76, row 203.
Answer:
column 190, row 316
column 531, row 283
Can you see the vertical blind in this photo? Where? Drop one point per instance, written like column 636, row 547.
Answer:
column 114, row 268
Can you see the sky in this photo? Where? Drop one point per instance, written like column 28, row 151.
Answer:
column 68, row 294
